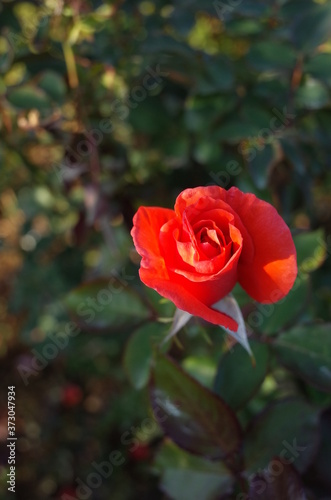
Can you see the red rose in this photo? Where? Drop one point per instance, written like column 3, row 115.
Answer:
column 195, row 254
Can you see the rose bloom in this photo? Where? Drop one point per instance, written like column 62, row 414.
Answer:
column 195, row 254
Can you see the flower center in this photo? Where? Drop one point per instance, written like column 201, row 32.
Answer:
column 208, row 242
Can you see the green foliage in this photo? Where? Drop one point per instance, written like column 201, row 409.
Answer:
column 196, row 419
column 272, row 318
column 238, row 386
column 139, row 352
column 311, row 250
column 306, row 350
column 184, row 474
column 106, row 304
column 286, row 428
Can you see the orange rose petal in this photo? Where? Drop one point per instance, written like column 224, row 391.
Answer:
column 195, row 254
column 191, row 196
column 271, row 273
column 147, row 223
column 215, row 209
column 186, row 301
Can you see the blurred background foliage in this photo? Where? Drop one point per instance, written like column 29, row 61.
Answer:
column 105, row 106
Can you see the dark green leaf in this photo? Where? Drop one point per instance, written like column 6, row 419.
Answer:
column 187, row 476
column 312, row 95
column 205, row 109
column 252, row 112
column 319, row 67
column 237, row 379
column 260, row 159
column 148, row 116
column 312, row 27
column 235, row 130
column 139, row 352
column 202, row 368
column 6, row 54
column 196, row 419
column 311, row 250
column 250, row 8
column 216, row 77
column 294, row 155
column 164, row 307
column 207, row 152
column 270, row 318
column 53, row 84
column 28, row 97
column 274, row 90
column 269, row 56
column 244, row 27
column 105, row 304
column 289, row 429
column 306, row 350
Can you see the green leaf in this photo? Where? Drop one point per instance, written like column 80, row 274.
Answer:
column 287, row 428
column 270, row 318
column 200, row 110
column 201, row 368
column 164, row 307
column 306, row 350
column 138, row 354
column 28, row 97
column 312, row 27
column 105, row 304
column 249, row 8
column 236, row 366
column 274, row 90
column 6, row 55
column 312, row 95
column 244, row 27
column 320, row 398
column 271, row 56
column 53, row 84
column 233, row 131
column 259, row 163
column 206, row 152
column 187, row 476
column 217, row 77
column 148, row 116
column 253, row 112
column 311, row 250
column 280, row 481
column 196, row 419
column 294, row 155
column 319, row 67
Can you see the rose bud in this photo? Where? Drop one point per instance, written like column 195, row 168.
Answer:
column 195, row 254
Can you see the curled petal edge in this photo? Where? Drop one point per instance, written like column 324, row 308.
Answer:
column 186, row 301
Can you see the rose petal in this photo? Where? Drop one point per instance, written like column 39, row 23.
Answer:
column 206, row 207
column 147, row 223
column 267, row 268
column 185, row 300
column 263, row 254
column 146, row 234
column 194, row 195
column 175, row 252
column 272, row 272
